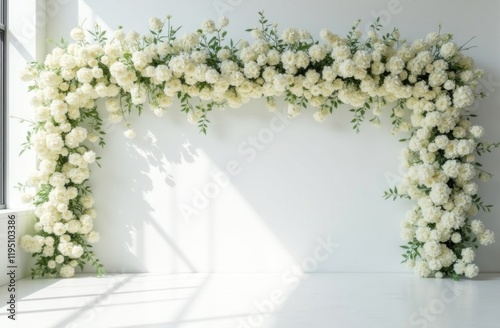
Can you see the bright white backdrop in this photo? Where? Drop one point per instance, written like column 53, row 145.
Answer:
column 296, row 185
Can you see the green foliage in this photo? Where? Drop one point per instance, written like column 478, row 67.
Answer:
column 411, row 250
column 484, row 147
column 394, row 194
column 476, row 200
column 359, row 117
column 99, row 35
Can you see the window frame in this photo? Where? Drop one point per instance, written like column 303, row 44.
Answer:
column 3, row 102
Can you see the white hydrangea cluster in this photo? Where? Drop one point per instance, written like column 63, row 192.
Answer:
column 431, row 81
column 440, row 176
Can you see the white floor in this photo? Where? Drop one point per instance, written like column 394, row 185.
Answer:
column 256, row 300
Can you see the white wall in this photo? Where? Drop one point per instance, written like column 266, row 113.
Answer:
column 309, row 182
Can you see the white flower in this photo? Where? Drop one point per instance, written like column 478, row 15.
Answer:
column 441, row 141
column 119, row 35
column 73, row 226
column 271, row 103
column 140, row 59
column 32, row 244
column 470, row 188
column 256, row 34
column 89, row 157
column 92, row 237
column 463, row 97
column 26, row 198
column 208, row 26
column 487, row 237
column 422, row 234
column 459, row 267
column 477, row 227
column 456, row 238
column 465, row 147
column 438, row 78
column 451, row 168
column 468, row 255
column 293, row 110
column 77, row 34
column 59, row 259
column 471, row 271
column 317, row 52
column 484, row 177
column 159, row 112
column 252, row 70
column 85, row 75
column 432, row 248
column 67, row 215
column 448, row 50
column 193, row 117
column 347, row 68
column 466, row 76
column 76, row 252
column 163, row 73
column 328, row 36
column 395, row 65
column 472, row 211
column 87, row 201
column 320, row 116
column 54, row 141
column 407, row 234
column 301, row 59
column 75, row 137
column 440, row 193
column 422, row 269
column 130, row 133
column 477, row 131
column 67, row 271
column 93, row 138
column 223, row 21
column 59, row 228
column 459, row 132
column 76, row 160
column 189, row 41
column 290, row 35
column 155, row 24
column 49, row 241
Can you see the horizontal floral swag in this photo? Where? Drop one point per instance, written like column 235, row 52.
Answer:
column 430, row 84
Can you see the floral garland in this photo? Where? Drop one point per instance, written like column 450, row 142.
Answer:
column 430, row 82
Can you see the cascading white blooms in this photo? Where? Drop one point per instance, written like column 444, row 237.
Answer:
column 430, row 82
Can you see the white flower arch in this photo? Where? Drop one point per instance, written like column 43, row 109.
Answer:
column 430, row 82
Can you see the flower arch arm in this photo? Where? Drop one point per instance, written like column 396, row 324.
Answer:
column 430, row 82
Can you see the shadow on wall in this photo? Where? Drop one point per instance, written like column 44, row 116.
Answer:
column 125, row 213
column 266, row 217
